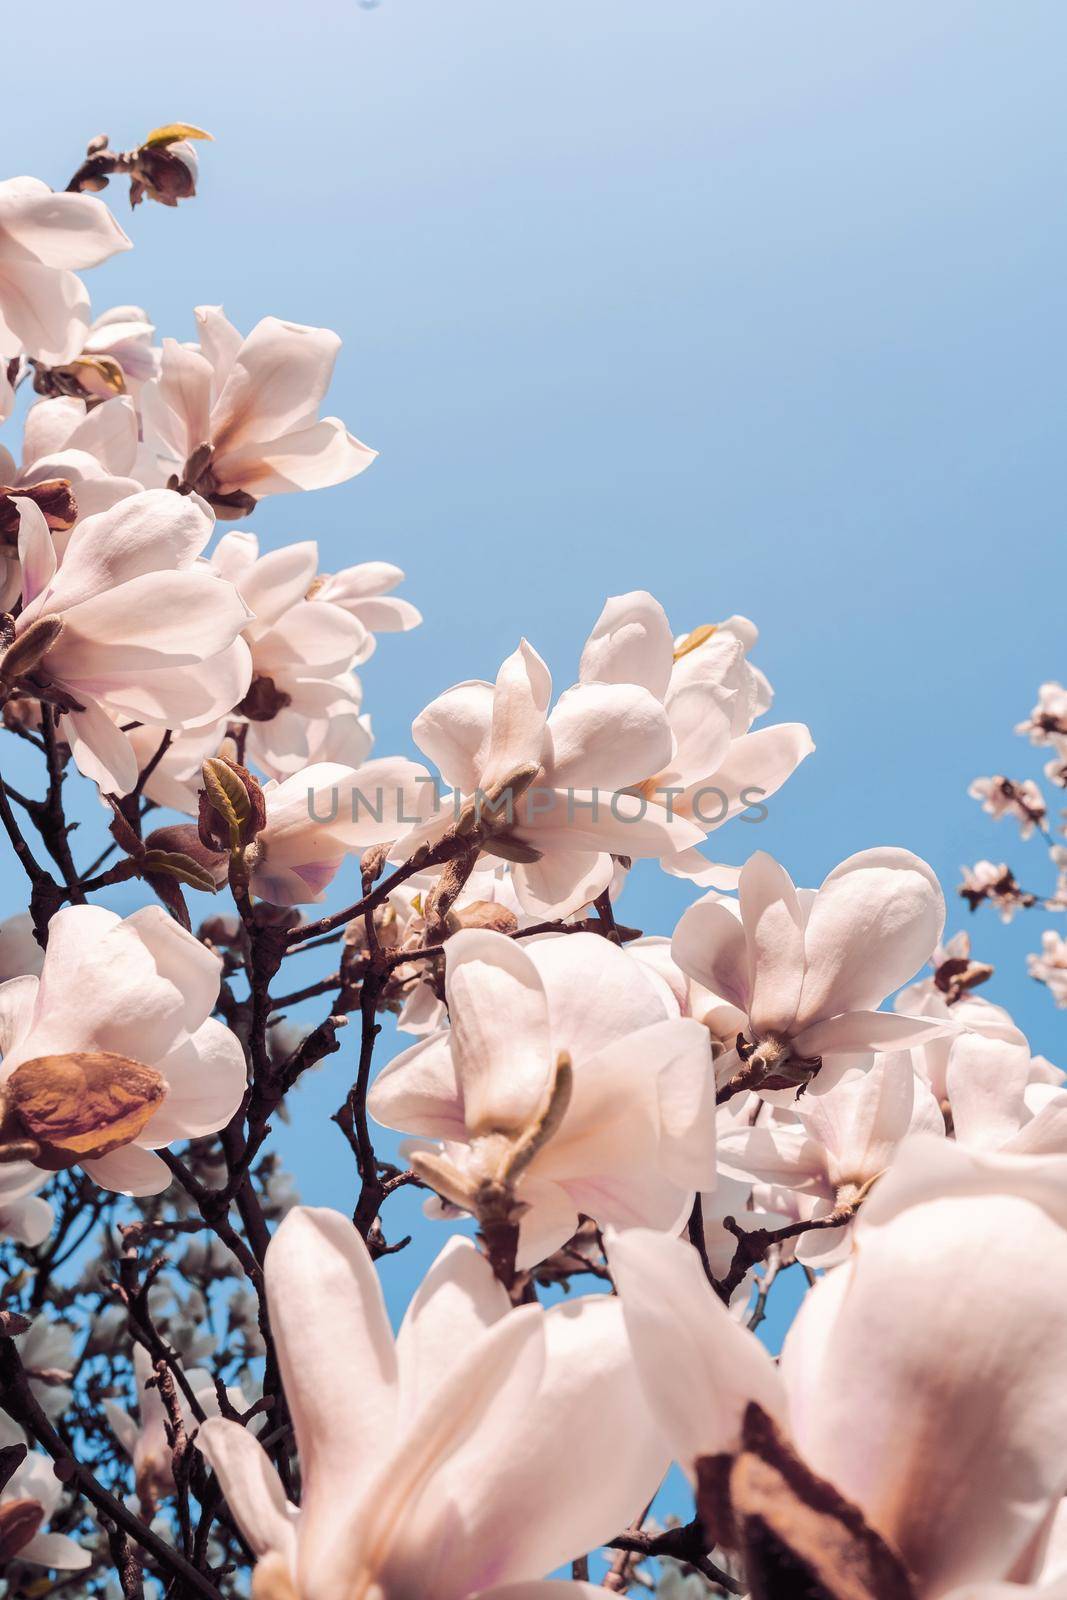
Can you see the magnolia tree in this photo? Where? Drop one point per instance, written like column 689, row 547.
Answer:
column 621, row 1138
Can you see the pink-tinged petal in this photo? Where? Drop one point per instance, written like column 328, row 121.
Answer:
column 575, row 1478
column 596, row 992
column 755, row 767
column 501, row 1041
column 709, row 945
column 220, row 341
column 184, row 387
column 455, row 1303
column 276, row 581
column 631, row 642
column 778, row 1155
column 520, row 704
column 153, row 532
column 562, row 882
column 161, row 619
column 310, row 633
column 857, row 1031
column 59, row 230
column 181, row 961
column 386, row 615
column 49, row 425
column 552, row 1589
column 100, row 751
column 700, row 723
column 42, row 312
column 108, row 433
column 1045, row 1133
column 606, row 737
column 957, row 1460
column 862, row 1119
column 774, row 933
column 690, row 864
column 698, row 1367
column 56, row 1551
column 552, row 1219
column 329, row 1322
column 37, row 552
column 418, row 1093
column 206, row 1078
column 315, row 457
column 453, row 733
column 130, row 1171
column 187, row 697
column 27, row 1221
column 600, row 820
column 278, row 379
column 874, row 923
column 406, row 1525
column 251, row 1488
column 985, row 1083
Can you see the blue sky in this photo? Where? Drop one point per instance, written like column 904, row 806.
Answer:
column 760, row 307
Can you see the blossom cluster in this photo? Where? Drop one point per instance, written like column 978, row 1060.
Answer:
column 200, row 1387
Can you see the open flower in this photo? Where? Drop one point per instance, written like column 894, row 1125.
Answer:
column 835, row 1145
column 480, row 1448
column 712, row 694
column 112, row 1053
column 365, row 592
column 94, row 450
column 805, row 973
column 27, row 1502
column 129, row 628
column 552, row 791
column 567, row 1085
column 44, row 309
column 319, row 816
column 909, row 1432
column 999, row 1098
column 237, row 419
column 303, row 704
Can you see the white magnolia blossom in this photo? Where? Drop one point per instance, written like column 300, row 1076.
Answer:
column 1050, row 967
column 563, row 781
column 94, row 448
column 999, row 1098
column 324, row 813
column 712, row 694
column 831, row 1147
column 122, row 336
column 27, row 1503
column 365, row 591
column 626, row 1139
column 479, row 1450
column 800, row 974
column 924, row 1379
column 145, row 632
column 1008, row 797
column 44, row 239
column 1049, row 716
column 113, row 1053
column 252, row 402
column 304, row 702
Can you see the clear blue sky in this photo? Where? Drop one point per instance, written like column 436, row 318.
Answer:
column 758, row 306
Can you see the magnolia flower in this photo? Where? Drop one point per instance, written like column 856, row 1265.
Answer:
column 712, row 695
column 923, row 1382
column 112, row 1053
column 93, row 449
column 1049, row 716
column 129, row 628
column 836, row 1145
column 1007, row 797
column 24, row 1216
column 805, row 972
column 551, row 791
column 1050, row 967
column 121, row 337
column 27, row 1502
column 567, row 1080
column 479, row 1449
column 1000, row 1099
column 365, row 592
column 237, row 419
column 44, row 309
column 986, row 881
column 303, row 704
column 145, row 1442
column 326, row 812
column 964, row 1012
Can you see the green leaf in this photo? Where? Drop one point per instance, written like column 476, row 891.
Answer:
column 170, row 132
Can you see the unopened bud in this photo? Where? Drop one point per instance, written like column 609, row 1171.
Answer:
column 26, row 653
column 232, row 808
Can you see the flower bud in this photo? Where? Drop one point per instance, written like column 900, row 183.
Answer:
column 232, row 808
